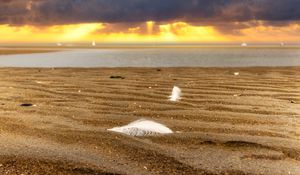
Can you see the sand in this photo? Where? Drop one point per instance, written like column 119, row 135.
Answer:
column 224, row 124
column 16, row 51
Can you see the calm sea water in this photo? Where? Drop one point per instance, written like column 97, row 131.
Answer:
column 170, row 57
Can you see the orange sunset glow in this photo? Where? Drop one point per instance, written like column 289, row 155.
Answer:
column 169, row 32
column 125, row 21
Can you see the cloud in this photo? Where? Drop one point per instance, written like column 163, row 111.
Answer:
column 209, row 12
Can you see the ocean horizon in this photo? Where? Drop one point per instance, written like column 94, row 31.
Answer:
column 158, row 57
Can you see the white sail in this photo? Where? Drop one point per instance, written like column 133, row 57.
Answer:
column 244, row 44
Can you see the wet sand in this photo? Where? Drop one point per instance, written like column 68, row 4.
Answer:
column 13, row 51
column 224, row 124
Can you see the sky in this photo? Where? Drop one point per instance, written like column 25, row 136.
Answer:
column 132, row 21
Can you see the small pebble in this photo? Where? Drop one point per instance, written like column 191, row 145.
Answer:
column 26, row 104
column 117, row 77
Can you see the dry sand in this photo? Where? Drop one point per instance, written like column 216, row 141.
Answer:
column 246, row 124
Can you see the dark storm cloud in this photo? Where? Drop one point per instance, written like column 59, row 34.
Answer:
column 48, row 12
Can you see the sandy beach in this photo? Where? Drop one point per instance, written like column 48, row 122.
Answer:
column 224, row 124
column 14, row 51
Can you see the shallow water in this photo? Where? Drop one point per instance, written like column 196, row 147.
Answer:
column 171, row 57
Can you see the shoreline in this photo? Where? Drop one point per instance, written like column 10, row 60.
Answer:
column 25, row 51
column 154, row 58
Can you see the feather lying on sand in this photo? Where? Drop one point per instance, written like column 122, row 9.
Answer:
column 142, row 127
column 176, row 94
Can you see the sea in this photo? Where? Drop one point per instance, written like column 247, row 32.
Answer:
column 159, row 57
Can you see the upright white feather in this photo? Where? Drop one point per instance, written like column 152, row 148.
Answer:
column 176, row 94
column 142, row 127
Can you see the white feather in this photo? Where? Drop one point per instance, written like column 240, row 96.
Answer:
column 142, row 128
column 176, row 94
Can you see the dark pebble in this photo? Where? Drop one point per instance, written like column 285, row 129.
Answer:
column 26, row 104
column 117, row 77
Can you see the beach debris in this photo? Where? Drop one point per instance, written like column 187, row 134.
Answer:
column 176, row 94
column 116, row 77
column 158, row 70
column 142, row 127
column 26, row 104
column 236, row 73
column 40, row 82
column 292, row 101
column 237, row 95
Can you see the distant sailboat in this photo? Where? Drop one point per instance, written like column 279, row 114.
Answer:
column 58, row 44
column 93, row 43
column 244, row 44
column 281, row 44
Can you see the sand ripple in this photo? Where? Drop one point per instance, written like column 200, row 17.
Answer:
column 245, row 124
